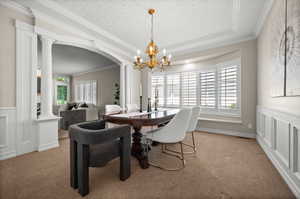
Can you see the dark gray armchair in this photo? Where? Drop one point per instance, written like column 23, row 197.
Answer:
column 91, row 145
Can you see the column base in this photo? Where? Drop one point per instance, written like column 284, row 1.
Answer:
column 47, row 131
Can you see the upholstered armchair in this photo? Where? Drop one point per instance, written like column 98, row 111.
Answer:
column 91, row 145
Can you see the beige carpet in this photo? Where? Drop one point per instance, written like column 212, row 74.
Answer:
column 225, row 167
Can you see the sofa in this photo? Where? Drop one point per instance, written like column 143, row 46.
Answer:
column 75, row 114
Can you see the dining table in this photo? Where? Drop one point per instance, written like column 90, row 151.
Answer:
column 138, row 120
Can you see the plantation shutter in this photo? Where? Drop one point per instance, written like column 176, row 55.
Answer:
column 189, row 89
column 228, row 88
column 86, row 91
column 173, row 89
column 158, row 84
column 208, row 89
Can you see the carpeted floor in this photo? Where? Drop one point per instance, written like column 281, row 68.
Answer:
column 224, row 167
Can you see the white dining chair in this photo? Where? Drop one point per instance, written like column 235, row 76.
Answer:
column 132, row 108
column 174, row 132
column 192, row 126
column 112, row 109
column 191, row 129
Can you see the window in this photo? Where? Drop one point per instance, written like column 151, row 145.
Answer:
column 189, row 89
column 228, row 88
column 216, row 90
column 86, row 91
column 207, row 89
column 158, row 86
column 173, row 89
column 61, row 89
column 62, row 94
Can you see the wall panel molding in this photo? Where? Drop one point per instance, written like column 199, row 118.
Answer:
column 278, row 135
column 7, row 132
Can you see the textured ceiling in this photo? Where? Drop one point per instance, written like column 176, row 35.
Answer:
column 177, row 22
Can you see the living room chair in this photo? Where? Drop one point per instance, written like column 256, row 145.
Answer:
column 173, row 133
column 91, row 145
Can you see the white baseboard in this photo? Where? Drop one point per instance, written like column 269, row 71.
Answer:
column 7, row 154
column 283, row 172
column 48, row 146
column 226, row 132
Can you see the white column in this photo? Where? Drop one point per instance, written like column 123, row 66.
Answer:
column 122, row 85
column 46, row 78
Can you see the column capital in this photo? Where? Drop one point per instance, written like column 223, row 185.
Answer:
column 47, row 40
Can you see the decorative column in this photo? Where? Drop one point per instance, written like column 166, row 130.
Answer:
column 122, row 85
column 47, row 123
column 47, row 78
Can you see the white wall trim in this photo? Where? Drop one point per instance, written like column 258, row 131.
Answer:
column 227, row 132
column 232, row 121
column 7, row 132
column 17, row 7
column 7, row 108
column 109, row 67
column 4, row 131
column 184, row 50
column 263, row 16
column 283, row 172
column 7, row 154
column 47, row 146
column 278, row 135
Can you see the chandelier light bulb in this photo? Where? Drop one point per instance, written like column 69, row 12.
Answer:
column 138, row 52
column 164, row 52
column 170, row 56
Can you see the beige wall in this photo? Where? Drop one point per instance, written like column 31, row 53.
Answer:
column 247, row 52
column 8, row 55
column 264, row 73
column 106, row 80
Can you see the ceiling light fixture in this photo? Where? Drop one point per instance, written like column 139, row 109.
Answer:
column 152, row 52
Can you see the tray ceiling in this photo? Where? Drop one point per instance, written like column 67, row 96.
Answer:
column 179, row 25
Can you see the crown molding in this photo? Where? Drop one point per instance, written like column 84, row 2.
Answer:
column 17, row 7
column 95, row 70
column 263, row 16
column 199, row 41
column 195, row 59
column 80, row 20
column 217, row 44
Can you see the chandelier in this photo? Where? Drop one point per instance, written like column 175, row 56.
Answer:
column 152, row 52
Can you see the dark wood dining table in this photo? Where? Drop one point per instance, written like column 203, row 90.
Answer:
column 137, row 120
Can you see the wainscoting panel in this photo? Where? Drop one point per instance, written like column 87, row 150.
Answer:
column 278, row 135
column 282, row 141
column 7, row 132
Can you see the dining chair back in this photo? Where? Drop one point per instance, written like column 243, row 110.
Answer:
column 132, row 108
column 194, row 119
column 112, row 109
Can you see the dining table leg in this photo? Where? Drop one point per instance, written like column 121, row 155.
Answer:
column 137, row 149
